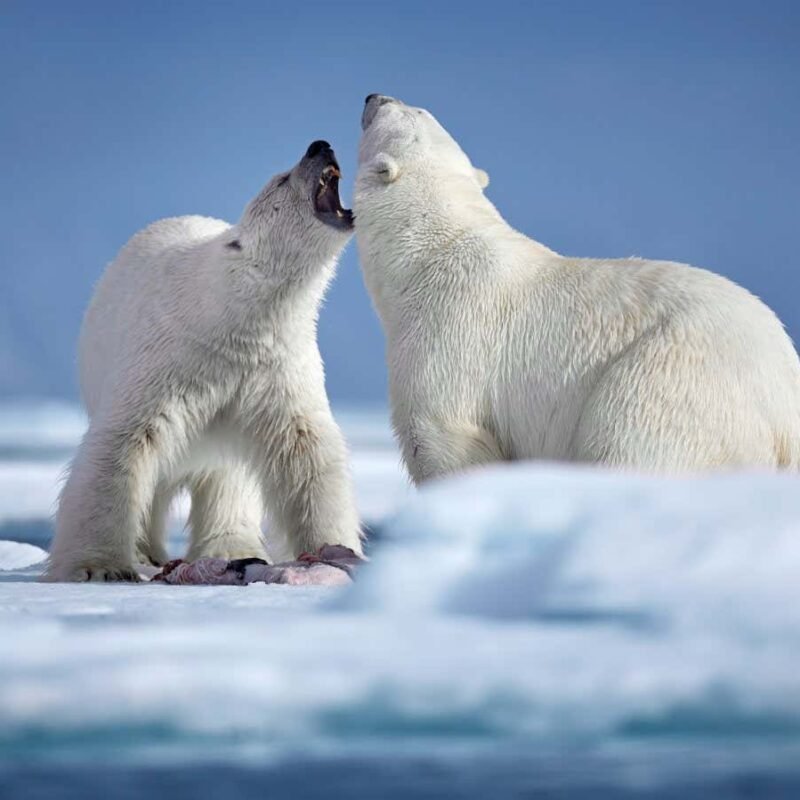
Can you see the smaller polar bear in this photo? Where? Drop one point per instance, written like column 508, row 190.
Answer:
column 199, row 368
column 500, row 349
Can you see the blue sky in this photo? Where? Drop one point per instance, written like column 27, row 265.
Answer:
column 661, row 129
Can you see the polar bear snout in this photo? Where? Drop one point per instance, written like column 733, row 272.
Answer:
column 371, row 105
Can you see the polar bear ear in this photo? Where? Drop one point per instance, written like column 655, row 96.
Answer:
column 233, row 239
column 386, row 168
column 482, row 177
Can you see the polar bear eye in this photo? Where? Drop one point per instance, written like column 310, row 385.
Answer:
column 234, row 245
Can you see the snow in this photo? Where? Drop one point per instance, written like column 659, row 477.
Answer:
column 42, row 426
column 523, row 609
column 253, row 675
column 29, row 489
column 19, row 555
column 536, row 542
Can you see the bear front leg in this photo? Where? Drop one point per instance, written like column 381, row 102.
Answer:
column 107, row 495
column 434, row 449
column 310, row 492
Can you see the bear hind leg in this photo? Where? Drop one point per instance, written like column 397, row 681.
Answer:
column 226, row 513
column 151, row 545
column 105, row 498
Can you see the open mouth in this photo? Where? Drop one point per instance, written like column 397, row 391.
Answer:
column 327, row 205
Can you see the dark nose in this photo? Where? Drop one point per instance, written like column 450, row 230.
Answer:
column 380, row 98
column 371, row 105
column 315, row 148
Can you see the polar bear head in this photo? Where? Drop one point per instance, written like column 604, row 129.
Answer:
column 402, row 141
column 297, row 218
column 415, row 190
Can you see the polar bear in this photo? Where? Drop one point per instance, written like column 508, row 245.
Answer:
column 199, row 368
column 499, row 348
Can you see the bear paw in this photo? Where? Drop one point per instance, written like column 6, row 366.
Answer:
column 155, row 555
column 228, row 549
column 93, row 574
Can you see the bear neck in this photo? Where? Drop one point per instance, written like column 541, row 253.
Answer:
column 433, row 241
column 270, row 289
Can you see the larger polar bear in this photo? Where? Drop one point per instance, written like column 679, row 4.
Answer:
column 500, row 349
column 199, row 367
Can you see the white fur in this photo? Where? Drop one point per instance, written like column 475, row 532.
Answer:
column 199, row 367
column 500, row 349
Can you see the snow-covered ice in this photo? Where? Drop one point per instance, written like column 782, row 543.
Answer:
column 523, row 541
column 38, row 427
column 19, row 555
column 522, row 612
